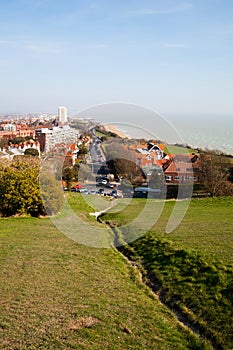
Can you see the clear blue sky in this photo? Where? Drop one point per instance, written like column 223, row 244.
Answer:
column 174, row 56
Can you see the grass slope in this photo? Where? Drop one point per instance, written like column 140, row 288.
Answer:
column 172, row 149
column 57, row 294
column 192, row 266
column 207, row 226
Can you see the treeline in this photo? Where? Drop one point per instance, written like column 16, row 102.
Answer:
column 22, row 192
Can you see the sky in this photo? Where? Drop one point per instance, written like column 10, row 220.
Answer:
column 169, row 55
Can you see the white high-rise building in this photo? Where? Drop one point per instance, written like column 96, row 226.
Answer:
column 62, row 114
column 50, row 139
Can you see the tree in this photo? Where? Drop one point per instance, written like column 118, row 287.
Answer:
column 67, row 176
column 17, row 140
column 31, row 152
column 84, row 173
column 214, row 174
column 157, row 179
column 22, row 193
column 82, row 150
column 19, row 189
column 230, row 177
column 76, row 168
column 122, row 162
column 125, row 168
column 3, row 143
column 50, row 191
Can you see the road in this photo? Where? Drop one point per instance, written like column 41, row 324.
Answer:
column 96, row 160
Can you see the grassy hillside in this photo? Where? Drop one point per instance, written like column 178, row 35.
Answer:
column 172, row 149
column 57, row 294
column 207, row 226
column 191, row 268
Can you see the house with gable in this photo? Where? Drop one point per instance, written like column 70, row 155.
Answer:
column 181, row 168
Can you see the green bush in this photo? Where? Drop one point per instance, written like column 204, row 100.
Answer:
column 20, row 191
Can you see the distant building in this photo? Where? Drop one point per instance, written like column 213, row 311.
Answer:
column 50, row 138
column 9, row 127
column 181, row 169
column 71, row 154
column 62, row 115
column 19, row 149
column 24, row 132
column 148, row 156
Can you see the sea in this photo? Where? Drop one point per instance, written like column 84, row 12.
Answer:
column 198, row 130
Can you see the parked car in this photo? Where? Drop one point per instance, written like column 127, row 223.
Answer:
column 110, row 185
column 92, row 192
column 73, row 189
column 104, row 182
column 114, row 193
column 77, row 187
column 127, row 193
column 83, row 190
column 101, row 191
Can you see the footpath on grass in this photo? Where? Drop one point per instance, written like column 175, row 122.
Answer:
column 96, row 214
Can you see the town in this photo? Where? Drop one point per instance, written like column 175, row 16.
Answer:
column 144, row 167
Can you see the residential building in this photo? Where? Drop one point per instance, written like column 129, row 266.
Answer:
column 9, row 135
column 181, row 169
column 71, row 154
column 50, row 138
column 9, row 127
column 19, row 149
column 148, row 154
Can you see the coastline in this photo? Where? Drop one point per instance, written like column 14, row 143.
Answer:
column 204, row 133
column 114, row 128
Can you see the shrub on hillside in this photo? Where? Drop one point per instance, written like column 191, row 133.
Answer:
column 20, row 191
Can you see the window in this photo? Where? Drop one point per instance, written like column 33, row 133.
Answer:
column 168, row 177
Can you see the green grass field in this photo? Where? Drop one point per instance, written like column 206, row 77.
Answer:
column 192, row 265
column 58, row 294
column 172, row 149
column 206, row 227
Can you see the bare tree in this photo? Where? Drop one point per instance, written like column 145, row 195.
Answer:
column 215, row 173
column 122, row 162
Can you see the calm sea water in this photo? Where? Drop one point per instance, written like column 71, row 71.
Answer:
column 206, row 131
column 198, row 131
column 213, row 131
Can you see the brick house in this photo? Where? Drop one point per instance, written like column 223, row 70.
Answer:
column 181, row 169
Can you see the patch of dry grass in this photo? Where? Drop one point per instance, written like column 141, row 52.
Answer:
column 83, row 322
